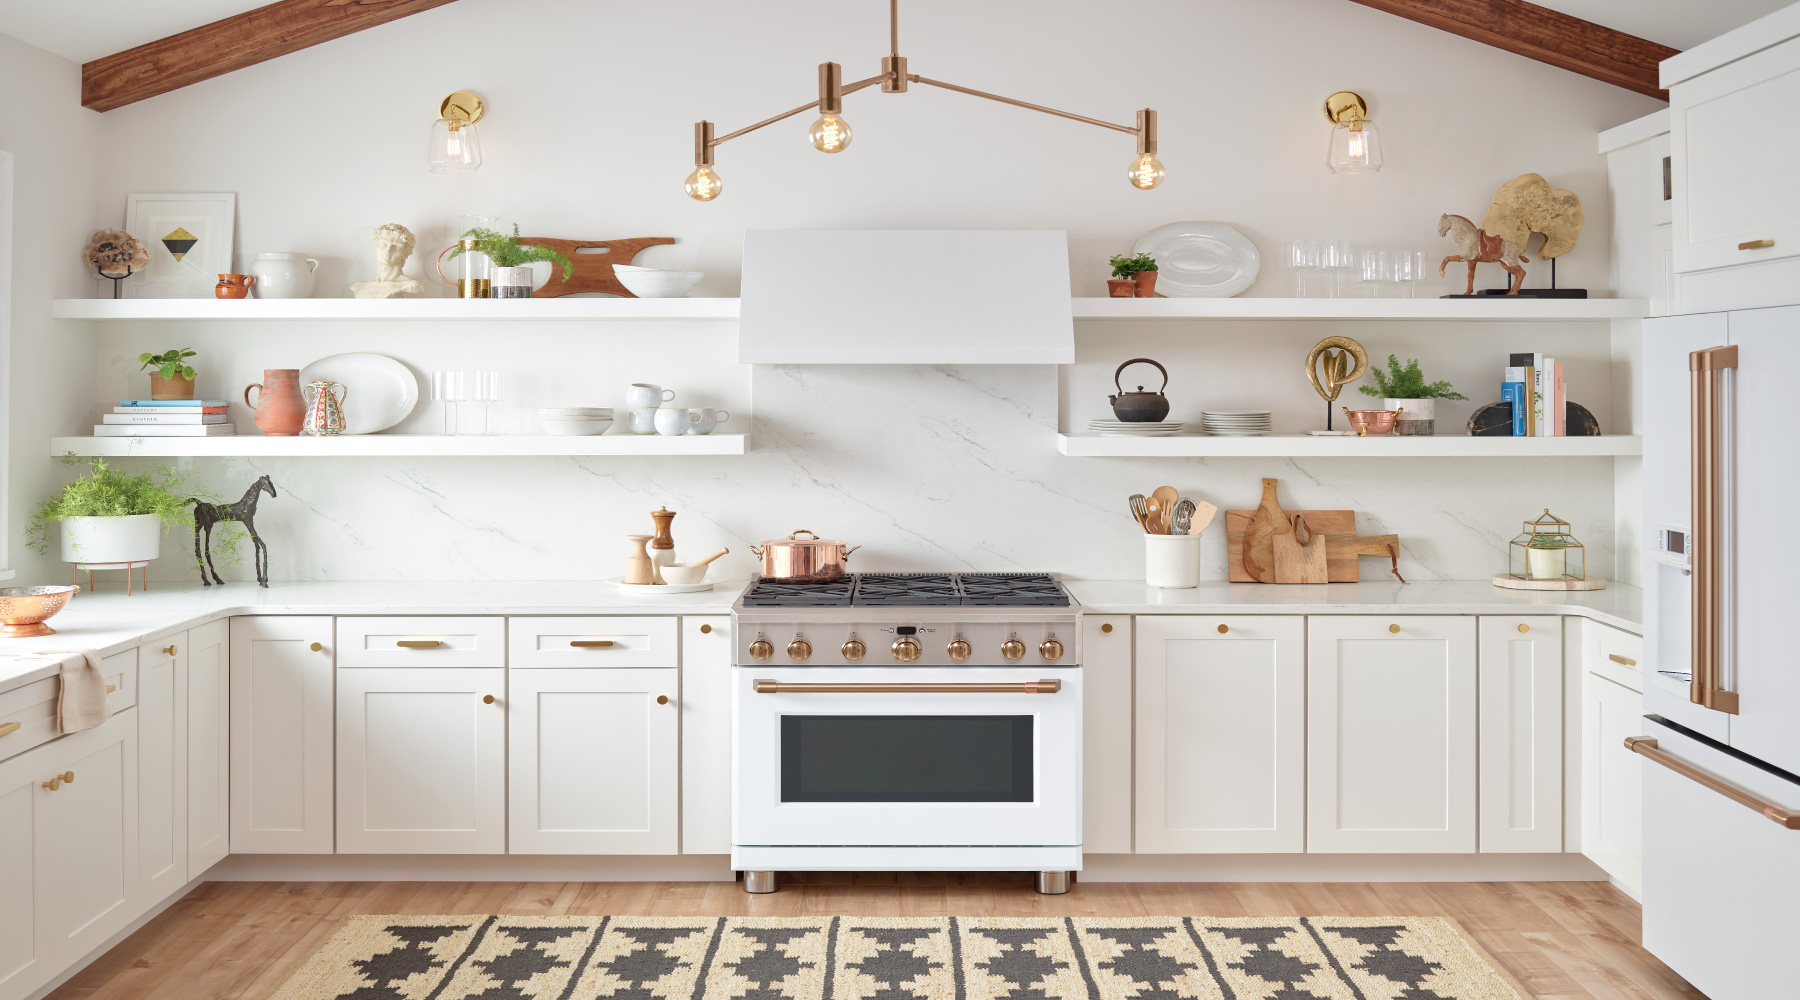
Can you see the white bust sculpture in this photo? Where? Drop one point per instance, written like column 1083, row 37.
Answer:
column 393, row 244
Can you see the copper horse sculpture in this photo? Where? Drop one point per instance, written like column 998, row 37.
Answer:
column 244, row 512
column 1475, row 246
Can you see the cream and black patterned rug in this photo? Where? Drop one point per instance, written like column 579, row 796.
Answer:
column 881, row 958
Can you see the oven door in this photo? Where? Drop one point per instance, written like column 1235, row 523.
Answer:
column 907, row 757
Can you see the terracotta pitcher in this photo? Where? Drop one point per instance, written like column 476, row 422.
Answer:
column 279, row 409
column 234, row 286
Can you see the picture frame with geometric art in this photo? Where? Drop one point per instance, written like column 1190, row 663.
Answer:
column 189, row 238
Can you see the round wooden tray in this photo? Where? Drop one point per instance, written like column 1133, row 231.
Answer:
column 1514, row 583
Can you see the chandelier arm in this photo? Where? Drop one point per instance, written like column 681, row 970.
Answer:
column 894, row 28
column 849, row 88
column 1128, row 129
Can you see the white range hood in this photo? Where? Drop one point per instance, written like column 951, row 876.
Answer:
column 906, row 297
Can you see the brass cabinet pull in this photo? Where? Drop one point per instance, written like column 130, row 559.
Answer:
column 58, row 780
column 1616, row 658
column 1710, row 506
column 168, row 650
column 1106, row 627
column 662, row 699
column 110, row 688
column 1646, row 746
column 315, row 647
column 591, row 643
column 9, row 728
column 1223, row 629
column 705, row 629
column 1756, row 245
column 1524, row 627
column 487, row 699
column 419, row 643
column 1028, row 687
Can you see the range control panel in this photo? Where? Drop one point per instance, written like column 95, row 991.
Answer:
column 924, row 644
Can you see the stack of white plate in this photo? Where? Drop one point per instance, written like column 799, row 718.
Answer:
column 1122, row 428
column 575, row 421
column 1235, row 423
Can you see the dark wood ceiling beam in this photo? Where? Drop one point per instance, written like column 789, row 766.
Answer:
column 1545, row 35
column 233, row 43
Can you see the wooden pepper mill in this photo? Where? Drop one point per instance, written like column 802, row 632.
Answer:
column 662, row 547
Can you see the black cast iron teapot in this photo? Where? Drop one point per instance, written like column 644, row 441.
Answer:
column 1140, row 407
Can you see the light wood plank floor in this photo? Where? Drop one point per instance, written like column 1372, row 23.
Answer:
column 230, row 940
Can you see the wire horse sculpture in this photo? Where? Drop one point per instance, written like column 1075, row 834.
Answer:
column 244, row 512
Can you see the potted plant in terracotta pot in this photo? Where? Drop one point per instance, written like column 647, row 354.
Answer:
column 173, row 377
column 1139, row 269
column 111, row 519
column 512, row 260
column 1406, row 390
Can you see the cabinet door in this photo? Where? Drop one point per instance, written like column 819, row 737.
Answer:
column 1612, row 777
column 1221, row 734
column 25, row 962
column 208, row 746
column 162, row 768
column 281, row 678
column 1106, row 734
column 1520, row 698
column 421, row 761
column 87, row 839
column 592, row 762
column 1391, row 734
column 705, row 712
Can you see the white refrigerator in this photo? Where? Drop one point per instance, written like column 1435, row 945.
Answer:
column 1721, row 733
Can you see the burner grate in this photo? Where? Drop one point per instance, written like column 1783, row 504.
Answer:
column 918, row 590
column 907, row 590
column 769, row 594
column 1034, row 590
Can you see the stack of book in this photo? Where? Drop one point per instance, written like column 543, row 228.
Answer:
column 1534, row 386
column 167, row 418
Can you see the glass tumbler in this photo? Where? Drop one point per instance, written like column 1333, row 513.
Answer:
column 1337, row 257
column 1302, row 256
column 450, row 388
column 1374, row 269
column 1409, row 270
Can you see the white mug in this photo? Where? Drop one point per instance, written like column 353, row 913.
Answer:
column 642, row 419
column 672, row 421
column 706, row 418
column 643, row 394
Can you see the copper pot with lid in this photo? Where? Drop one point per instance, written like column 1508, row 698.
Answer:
column 803, row 560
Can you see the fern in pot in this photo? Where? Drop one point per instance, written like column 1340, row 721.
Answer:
column 1405, row 389
column 111, row 519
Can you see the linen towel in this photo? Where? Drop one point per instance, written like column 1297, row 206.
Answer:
column 81, row 700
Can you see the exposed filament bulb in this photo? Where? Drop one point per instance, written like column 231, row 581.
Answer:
column 830, row 134
column 703, row 184
column 1146, row 172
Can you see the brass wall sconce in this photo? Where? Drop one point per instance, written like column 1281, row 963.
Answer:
column 1355, row 143
column 455, row 147
column 831, row 134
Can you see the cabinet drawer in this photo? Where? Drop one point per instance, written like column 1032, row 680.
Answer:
column 1613, row 654
column 33, row 706
column 387, row 643
column 592, row 642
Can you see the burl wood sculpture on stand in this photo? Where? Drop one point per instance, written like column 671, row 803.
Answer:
column 1524, row 205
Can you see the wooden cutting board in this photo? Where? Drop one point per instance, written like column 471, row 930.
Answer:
column 1342, row 546
column 592, row 272
column 1256, row 548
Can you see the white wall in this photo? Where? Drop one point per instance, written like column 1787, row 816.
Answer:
column 591, row 108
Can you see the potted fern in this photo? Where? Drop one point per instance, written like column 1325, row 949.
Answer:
column 512, row 260
column 110, row 518
column 1405, row 389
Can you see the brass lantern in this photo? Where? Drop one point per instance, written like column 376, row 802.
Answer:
column 1547, row 551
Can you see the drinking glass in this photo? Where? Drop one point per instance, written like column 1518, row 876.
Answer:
column 1303, row 256
column 449, row 388
column 1336, row 256
column 1374, row 268
column 489, row 388
column 1409, row 270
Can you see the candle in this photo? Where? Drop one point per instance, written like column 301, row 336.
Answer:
column 1544, row 562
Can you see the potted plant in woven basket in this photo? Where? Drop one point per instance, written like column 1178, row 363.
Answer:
column 512, row 260
column 172, row 377
column 1405, row 389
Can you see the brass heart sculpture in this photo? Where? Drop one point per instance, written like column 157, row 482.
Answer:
column 1337, row 352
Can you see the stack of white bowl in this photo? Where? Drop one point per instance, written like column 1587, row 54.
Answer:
column 1235, row 423
column 575, row 421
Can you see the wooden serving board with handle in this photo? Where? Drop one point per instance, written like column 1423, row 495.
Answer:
column 592, row 272
column 1342, row 546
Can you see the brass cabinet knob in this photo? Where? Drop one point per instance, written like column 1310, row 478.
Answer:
column 959, row 649
column 315, row 647
column 53, row 784
column 799, row 649
column 1524, row 627
column 168, row 650
column 662, row 699
column 1050, row 649
column 906, row 650
column 1393, row 628
column 1224, row 629
column 853, row 649
column 487, row 699
column 1012, row 649
column 1106, row 627
column 704, row 629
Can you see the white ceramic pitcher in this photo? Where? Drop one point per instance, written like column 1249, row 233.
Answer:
column 284, row 275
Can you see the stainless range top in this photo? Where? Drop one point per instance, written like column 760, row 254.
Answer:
column 908, row 619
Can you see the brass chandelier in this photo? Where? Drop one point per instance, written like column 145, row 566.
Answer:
column 831, row 134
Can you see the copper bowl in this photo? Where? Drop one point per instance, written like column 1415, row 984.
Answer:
column 24, row 609
column 1367, row 422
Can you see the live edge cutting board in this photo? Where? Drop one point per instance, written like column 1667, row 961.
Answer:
column 1342, row 546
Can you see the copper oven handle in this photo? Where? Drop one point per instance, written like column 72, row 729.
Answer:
column 1028, row 687
column 1709, row 452
column 1646, row 747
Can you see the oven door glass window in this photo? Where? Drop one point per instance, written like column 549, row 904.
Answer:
column 906, row 758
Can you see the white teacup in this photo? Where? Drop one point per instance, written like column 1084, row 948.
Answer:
column 642, row 419
column 672, row 421
column 643, row 395
column 706, row 418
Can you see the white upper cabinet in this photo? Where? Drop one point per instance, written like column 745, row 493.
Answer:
column 1521, row 725
column 1221, row 734
column 281, row 735
column 207, row 652
column 1106, row 734
column 1391, row 734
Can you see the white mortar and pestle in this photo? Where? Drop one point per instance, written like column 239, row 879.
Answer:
column 689, row 572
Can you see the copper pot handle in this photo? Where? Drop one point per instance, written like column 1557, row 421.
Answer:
column 792, row 535
column 849, row 550
column 1148, row 361
column 756, row 551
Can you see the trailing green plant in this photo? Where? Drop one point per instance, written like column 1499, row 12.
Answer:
column 106, row 491
column 1126, row 265
column 169, row 363
column 1406, row 383
column 507, row 251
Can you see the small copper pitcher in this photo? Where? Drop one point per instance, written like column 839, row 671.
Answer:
column 234, row 286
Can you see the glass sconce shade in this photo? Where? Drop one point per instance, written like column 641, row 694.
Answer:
column 1355, row 147
column 830, row 134
column 455, row 147
column 703, row 184
column 1145, row 172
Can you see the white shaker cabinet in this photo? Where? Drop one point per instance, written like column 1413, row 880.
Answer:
column 1390, row 734
column 1521, row 727
column 1106, row 734
column 593, row 761
column 421, row 760
column 208, row 656
column 162, row 767
column 281, row 735
column 705, row 711
column 1221, row 734
column 1612, row 777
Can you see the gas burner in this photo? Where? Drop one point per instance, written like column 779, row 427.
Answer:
column 1036, row 590
column 770, row 594
column 907, row 590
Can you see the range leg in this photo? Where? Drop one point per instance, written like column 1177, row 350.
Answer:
column 1054, row 883
column 759, row 882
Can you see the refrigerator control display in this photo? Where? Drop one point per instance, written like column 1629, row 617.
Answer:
column 1673, row 546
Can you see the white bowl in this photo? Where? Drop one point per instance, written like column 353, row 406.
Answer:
column 570, row 412
column 681, row 574
column 649, row 284
column 576, row 427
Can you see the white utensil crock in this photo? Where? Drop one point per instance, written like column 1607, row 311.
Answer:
column 283, row 275
column 87, row 541
column 1172, row 562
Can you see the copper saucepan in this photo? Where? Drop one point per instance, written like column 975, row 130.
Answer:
column 803, row 560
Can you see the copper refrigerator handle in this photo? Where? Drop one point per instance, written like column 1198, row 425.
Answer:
column 1028, row 687
column 1712, row 542
column 1646, row 746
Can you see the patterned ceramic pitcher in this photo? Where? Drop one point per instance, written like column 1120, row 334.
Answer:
column 324, row 408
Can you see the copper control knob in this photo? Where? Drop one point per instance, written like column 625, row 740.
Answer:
column 854, row 649
column 799, row 649
column 906, row 649
column 761, row 649
column 1012, row 649
column 1050, row 649
column 959, row 649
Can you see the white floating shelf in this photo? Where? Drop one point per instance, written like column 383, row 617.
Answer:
column 1477, row 310
column 394, row 445
column 564, row 309
column 1308, row 446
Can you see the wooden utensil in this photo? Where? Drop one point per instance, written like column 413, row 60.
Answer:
column 708, row 559
column 591, row 272
column 1258, row 543
column 1203, row 517
column 1140, row 509
column 1165, row 498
